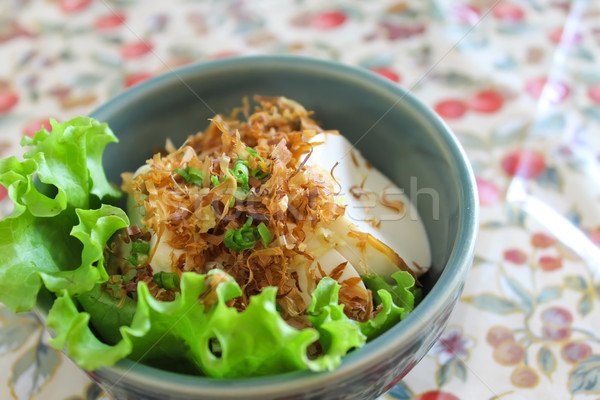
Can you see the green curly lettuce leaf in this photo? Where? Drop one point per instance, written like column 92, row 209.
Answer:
column 338, row 333
column 206, row 337
column 396, row 301
column 69, row 160
column 52, row 236
column 72, row 329
column 70, row 157
column 55, row 251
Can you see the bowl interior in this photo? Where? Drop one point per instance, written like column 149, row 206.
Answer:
column 395, row 132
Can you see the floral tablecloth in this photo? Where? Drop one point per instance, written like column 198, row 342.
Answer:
column 517, row 81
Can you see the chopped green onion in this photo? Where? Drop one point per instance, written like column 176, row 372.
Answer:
column 129, row 275
column 191, row 175
column 215, row 180
column 166, row 280
column 254, row 153
column 241, row 194
column 133, row 259
column 137, row 259
column 264, row 233
column 240, row 172
column 140, row 246
column 259, row 174
column 241, row 239
column 240, row 166
column 139, row 252
column 246, row 237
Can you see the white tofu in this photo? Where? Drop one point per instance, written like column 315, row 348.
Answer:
column 402, row 232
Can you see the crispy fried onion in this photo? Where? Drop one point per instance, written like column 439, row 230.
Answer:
column 281, row 191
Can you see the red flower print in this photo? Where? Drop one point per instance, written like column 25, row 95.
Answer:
column 465, row 13
column 451, row 108
column 542, row 241
column 387, row 73
column 327, row 20
column 8, row 99
column 594, row 93
column 401, row 31
column 135, row 49
column 569, row 37
column 515, row 256
column 36, row 125
column 3, row 192
column 488, row 192
column 575, row 352
column 452, row 344
column 556, row 334
column 106, row 22
column 71, row 6
column 523, row 163
column 499, row 334
column 548, row 263
column 134, row 79
column 488, row 101
column 595, row 237
column 12, row 30
column 223, row 54
column 557, row 317
column 509, row 353
column 508, row 12
column 524, row 377
column 554, row 91
column 437, row 395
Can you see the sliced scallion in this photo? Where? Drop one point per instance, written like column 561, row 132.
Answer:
column 246, row 237
column 254, row 153
column 166, row 280
column 191, row 175
column 140, row 246
column 265, row 235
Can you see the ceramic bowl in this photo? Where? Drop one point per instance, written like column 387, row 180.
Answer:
column 397, row 133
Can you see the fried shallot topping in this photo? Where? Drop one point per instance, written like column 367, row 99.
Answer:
column 240, row 197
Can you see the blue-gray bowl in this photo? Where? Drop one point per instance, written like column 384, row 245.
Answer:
column 397, row 133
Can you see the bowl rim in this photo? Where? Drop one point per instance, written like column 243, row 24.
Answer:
column 453, row 275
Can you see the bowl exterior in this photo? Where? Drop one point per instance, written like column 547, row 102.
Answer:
column 405, row 140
